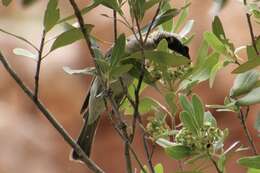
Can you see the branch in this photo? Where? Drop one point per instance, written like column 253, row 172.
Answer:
column 38, row 68
column 251, row 29
column 242, row 118
column 89, row 163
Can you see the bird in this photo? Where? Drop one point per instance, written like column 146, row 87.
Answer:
column 94, row 105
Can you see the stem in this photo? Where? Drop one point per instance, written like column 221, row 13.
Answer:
column 20, row 38
column 154, row 17
column 89, row 163
column 215, row 164
column 38, row 68
column 124, row 128
column 248, row 17
column 115, row 25
column 148, row 155
column 242, row 118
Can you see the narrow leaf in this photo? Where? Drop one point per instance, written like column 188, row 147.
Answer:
column 248, row 65
column 244, row 82
column 118, row 71
column 69, row 37
column 209, row 119
column 118, row 49
column 25, row 53
column 250, row 162
column 52, row 15
column 85, row 71
column 217, row 28
column 214, row 42
column 253, row 97
column 198, row 109
column 178, row 152
column 186, row 29
column 189, row 122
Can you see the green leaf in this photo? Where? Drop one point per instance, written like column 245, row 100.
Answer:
column 52, row 15
column 164, row 143
column 169, row 59
column 163, row 45
column 202, row 54
column 86, row 71
column 186, row 29
column 118, row 71
column 244, row 82
column 69, row 37
column 178, row 152
column 182, row 17
column 158, row 168
column 164, row 17
column 103, row 65
column 252, row 170
column 250, row 162
column 201, row 72
column 25, row 53
column 168, row 25
column 252, row 63
column 189, row 122
column 163, row 58
column 6, row 2
column 257, row 123
column 209, row 119
column 217, row 28
column 139, row 8
column 111, row 4
column 150, row 3
column 214, row 72
column 118, row 50
column 251, row 53
column 222, row 162
column 186, row 104
column 83, row 11
column 198, row 108
column 214, row 42
column 253, row 97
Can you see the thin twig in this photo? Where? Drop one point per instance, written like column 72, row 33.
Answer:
column 115, row 25
column 124, row 138
column 215, row 164
column 153, row 20
column 242, row 118
column 38, row 68
column 248, row 17
column 124, row 128
column 89, row 163
column 20, row 38
column 148, row 154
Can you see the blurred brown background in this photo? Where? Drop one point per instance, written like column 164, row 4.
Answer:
column 29, row 144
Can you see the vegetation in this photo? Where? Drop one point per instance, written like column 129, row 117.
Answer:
column 168, row 69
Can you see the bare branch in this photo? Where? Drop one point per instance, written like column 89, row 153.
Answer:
column 90, row 164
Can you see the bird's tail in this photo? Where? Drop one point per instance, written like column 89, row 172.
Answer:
column 86, row 138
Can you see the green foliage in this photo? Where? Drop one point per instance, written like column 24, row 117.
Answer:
column 118, row 50
column 6, row 2
column 69, row 37
column 52, row 15
column 172, row 75
column 178, row 152
column 244, row 82
column 250, row 162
